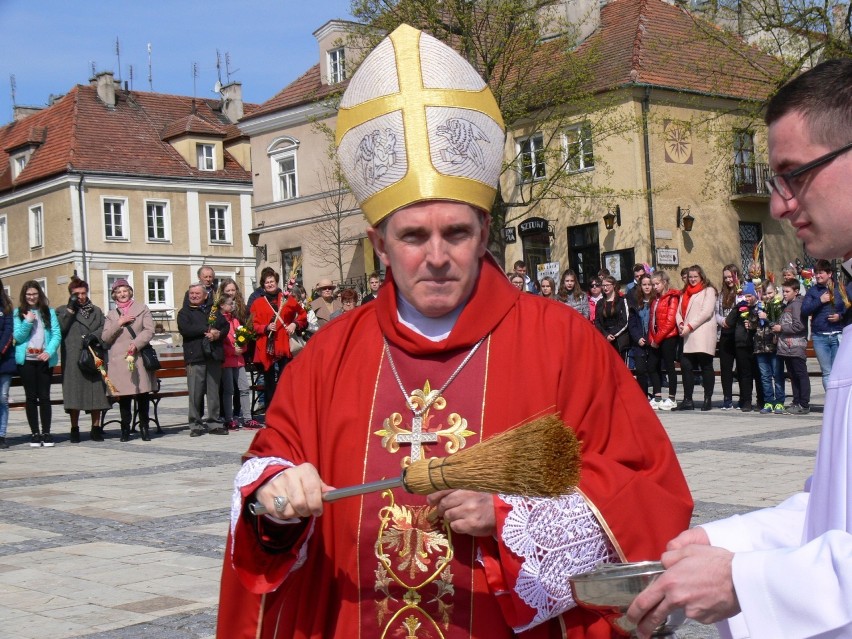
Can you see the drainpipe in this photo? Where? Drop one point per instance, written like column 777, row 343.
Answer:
column 646, row 106
column 82, row 227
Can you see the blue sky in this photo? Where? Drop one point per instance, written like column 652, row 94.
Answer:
column 49, row 45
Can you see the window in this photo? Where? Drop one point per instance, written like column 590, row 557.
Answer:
column 577, row 145
column 18, row 164
column 219, row 223
column 109, row 279
column 42, row 282
column 4, row 237
column 286, row 177
column 157, row 221
column 206, row 157
column 336, row 66
column 744, row 174
column 288, row 257
column 36, row 226
column 115, row 223
column 751, row 234
column 531, row 151
column 158, row 291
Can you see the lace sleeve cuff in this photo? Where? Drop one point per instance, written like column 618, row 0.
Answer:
column 554, row 538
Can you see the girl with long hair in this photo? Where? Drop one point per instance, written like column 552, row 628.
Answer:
column 547, row 286
column 612, row 314
column 663, row 340
column 7, row 361
column 698, row 330
column 638, row 323
column 571, row 293
column 37, row 339
column 731, row 279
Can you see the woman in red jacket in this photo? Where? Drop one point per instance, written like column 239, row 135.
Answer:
column 277, row 315
column 662, row 337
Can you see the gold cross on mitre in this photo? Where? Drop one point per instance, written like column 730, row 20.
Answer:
column 418, row 123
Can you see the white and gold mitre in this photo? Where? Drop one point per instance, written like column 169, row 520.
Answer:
column 418, row 123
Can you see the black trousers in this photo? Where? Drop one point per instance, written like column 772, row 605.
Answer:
column 35, row 378
column 745, row 373
column 688, row 363
column 125, row 407
column 797, row 370
column 727, row 357
column 667, row 354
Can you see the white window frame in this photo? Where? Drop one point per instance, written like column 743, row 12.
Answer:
column 205, row 161
column 227, row 230
column 579, row 148
column 124, row 219
column 4, row 236
column 42, row 282
column 109, row 278
column 168, row 304
column 336, row 65
column 19, row 163
column 36, row 225
column 533, row 157
column 167, row 221
column 280, row 149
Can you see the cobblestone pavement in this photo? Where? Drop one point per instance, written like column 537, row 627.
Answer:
column 125, row 541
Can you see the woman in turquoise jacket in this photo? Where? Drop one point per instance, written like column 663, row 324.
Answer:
column 37, row 339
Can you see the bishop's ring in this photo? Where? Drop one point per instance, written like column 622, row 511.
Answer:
column 280, row 503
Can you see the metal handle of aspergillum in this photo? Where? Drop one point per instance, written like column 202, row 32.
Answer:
column 256, row 508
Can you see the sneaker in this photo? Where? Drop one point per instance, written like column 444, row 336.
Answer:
column 35, row 441
column 219, row 430
column 745, row 407
column 767, row 408
column 685, row 405
column 252, row 424
column 727, row 404
column 47, row 440
column 3, row 444
column 196, row 432
column 655, row 403
column 667, row 404
column 779, row 409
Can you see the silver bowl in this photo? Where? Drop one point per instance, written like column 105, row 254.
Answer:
column 611, row 588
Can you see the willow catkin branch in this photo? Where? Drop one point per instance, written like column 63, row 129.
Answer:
column 539, row 459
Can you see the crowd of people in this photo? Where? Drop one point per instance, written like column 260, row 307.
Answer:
column 758, row 327
column 224, row 336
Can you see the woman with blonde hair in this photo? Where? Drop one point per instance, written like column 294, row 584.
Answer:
column 547, row 286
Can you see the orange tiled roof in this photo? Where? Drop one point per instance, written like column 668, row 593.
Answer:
column 81, row 133
column 191, row 124
column 641, row 42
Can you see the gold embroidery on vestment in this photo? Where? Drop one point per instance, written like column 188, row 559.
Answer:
column 414, row 551
column 454, row 434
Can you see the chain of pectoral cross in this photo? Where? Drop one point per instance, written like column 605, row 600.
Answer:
column 417, row 437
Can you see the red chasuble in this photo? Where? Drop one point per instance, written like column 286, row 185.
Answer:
column 382, row 565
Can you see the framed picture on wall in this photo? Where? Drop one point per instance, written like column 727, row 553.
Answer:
column 619, row 263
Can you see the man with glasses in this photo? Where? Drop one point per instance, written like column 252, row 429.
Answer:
column 787, row 570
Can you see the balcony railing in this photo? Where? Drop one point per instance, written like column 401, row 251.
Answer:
column 750, row 179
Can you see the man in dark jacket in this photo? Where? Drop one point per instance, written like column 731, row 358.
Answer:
column 203, row 353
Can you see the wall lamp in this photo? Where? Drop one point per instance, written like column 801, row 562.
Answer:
column 684, row 219
column 254, row 238
column 612, row 218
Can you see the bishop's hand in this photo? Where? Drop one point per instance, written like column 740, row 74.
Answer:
column 301, row 489
column 467, row 512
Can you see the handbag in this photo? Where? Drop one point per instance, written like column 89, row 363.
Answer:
column 91, row 348
column 149, row 356
column 297, row 343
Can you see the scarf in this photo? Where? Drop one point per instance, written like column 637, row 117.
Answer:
column 123, row 306
column 687, row 295
column 86, row 309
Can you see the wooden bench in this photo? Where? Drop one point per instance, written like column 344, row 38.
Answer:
column 55, row 380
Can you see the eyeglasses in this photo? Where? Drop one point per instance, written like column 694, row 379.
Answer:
column 594, row 285
column 781, row 183
column 326, row 288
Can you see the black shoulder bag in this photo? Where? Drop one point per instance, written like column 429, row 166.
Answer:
column 149, row 356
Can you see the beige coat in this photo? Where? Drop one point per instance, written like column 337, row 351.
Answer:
column 700, row 316
column 118, row 339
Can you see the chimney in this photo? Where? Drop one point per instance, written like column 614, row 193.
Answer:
column 232, row 101
column 21, row 112
column 106, row 88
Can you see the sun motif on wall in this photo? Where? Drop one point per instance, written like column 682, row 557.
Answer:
column 678, row 142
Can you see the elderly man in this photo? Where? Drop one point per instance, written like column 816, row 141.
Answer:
column 203, row 353
column 787, row 570
column 426, row 369
column 207, row 278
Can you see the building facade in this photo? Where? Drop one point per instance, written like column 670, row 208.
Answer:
column 107, row 183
